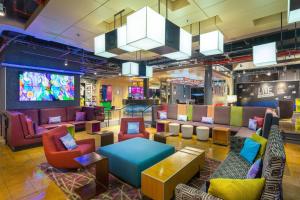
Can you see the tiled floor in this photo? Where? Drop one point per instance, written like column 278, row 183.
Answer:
column 20, row 177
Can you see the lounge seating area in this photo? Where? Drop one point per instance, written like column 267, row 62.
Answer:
column 149, row 100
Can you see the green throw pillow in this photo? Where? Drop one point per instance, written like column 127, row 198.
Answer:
column 263, row 143
column 236, row 116
column 190, row 112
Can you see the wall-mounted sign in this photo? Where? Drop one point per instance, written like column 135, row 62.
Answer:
column 267, row 93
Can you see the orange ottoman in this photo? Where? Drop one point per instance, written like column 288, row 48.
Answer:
column 220, row 135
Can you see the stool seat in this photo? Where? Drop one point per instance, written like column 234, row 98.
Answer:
column 174, row 128
column 221, row 135
column 202, row 133
column 187, row 131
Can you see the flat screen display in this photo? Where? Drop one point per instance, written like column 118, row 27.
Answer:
column 136, row 92
column 35, row 86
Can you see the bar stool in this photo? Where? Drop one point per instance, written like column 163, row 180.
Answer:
column 202, row 133
column 174, row 128
column 187, row 131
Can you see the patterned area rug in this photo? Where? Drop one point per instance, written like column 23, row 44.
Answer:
column 70, row 180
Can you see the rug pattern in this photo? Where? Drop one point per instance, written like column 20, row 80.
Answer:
column 67, row 181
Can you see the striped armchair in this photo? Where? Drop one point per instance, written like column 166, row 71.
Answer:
column 234, row 167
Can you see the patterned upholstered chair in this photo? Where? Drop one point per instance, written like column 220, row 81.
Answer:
column 235, row 167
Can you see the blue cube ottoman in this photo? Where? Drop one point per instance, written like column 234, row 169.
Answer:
column 127, row 159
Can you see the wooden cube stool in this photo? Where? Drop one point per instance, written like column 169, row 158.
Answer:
column 220, row 135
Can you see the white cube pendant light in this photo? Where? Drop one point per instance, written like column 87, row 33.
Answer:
column 130, row 69
column 212, row 43
column 145, row 71
column 145, row 29
column 293, row 11
column 99, row 47
column 122, row 40
column 185, row 47
column 264, row 55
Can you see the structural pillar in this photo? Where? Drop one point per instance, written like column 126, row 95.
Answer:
column 146, row 88
column 208, row 85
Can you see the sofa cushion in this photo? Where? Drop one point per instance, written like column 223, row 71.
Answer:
column 69, row 141
column 245, row 132
column 189, row 112
column 222, row 115
column 85, row 148
column 250, row 150
column 236, row 116
column 250, row 112
column 236, row 189
column 210, row 111
column 55, row 120
column 52, row 126
column 263, row 143
column 234, row 166
column 71, row 112
column 172, row 111
column 199, row 111
column 267, row 124
column 30, row 126
column 58, row 143
column 255, row 169
column 52, row 112
column 33, row 114
column 80, row 116
column 182, row 109
column 23, row 121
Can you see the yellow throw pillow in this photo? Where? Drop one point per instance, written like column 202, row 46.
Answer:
column 263, row 143
column 236, row 189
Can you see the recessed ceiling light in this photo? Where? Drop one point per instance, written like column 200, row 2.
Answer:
column 95, row 73
column 269, row 74
column 66, row 62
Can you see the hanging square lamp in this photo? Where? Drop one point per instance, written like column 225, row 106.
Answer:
column 130, row 69
column 265, row 54
column 212, row 43
column 185, row 47
column 100, row 47
column 293, row 11
column 145, row 29
column 122, row 40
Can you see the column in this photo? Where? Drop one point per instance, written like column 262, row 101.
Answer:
column 208, row 85
column 146, row 87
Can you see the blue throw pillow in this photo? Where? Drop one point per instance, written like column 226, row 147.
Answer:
column 250, row 150
column 68, row 141
column 133, row 127
column 255, row 170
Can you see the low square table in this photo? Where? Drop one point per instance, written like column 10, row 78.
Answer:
column 100, row 184
column 161, row 137
column 127, row 159
column 92, row 127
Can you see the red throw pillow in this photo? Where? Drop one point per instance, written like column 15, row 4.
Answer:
column 30, row 126
column 260, row 121
column 59, row 145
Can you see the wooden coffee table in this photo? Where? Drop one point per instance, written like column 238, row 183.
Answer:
column 221, row 135
column 162, row 125
column 92, row 127
column 161, row 137
column 100, row 184
column 160, row 180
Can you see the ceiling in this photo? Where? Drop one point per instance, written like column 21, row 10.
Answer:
column 77, row 22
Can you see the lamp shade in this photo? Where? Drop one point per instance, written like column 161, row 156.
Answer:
column 293, row 11
column 122, row 40
column 130, row 69
column 100, row 47
column 145, row 29
column 212, row 43
column 185, row 47
column 265, row 54
column 145, row 71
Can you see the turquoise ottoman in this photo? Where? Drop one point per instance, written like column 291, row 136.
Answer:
column 127, row 159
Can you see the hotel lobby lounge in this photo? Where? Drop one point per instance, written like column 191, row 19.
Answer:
column 162, row 99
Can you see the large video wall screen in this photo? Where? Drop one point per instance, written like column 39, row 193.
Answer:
column 266, row 93
column 35, row 86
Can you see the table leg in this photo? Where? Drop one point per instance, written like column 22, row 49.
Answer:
column 102, row 172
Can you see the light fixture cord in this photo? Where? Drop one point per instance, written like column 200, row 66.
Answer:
column 166, row 9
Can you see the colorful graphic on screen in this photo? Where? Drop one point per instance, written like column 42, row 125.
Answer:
column 36, row 86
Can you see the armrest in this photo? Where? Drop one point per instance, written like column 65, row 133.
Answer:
column 65, row 155
column 146, row 133
column 184, row 192
column 86, row 141
column 236, row 143
column 121, row 133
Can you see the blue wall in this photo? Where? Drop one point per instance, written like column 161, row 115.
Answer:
column 20, row 54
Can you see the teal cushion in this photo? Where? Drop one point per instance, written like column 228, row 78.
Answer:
column 250, row 150
column 127, row 159
column 133, row 128
column 68, row 141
